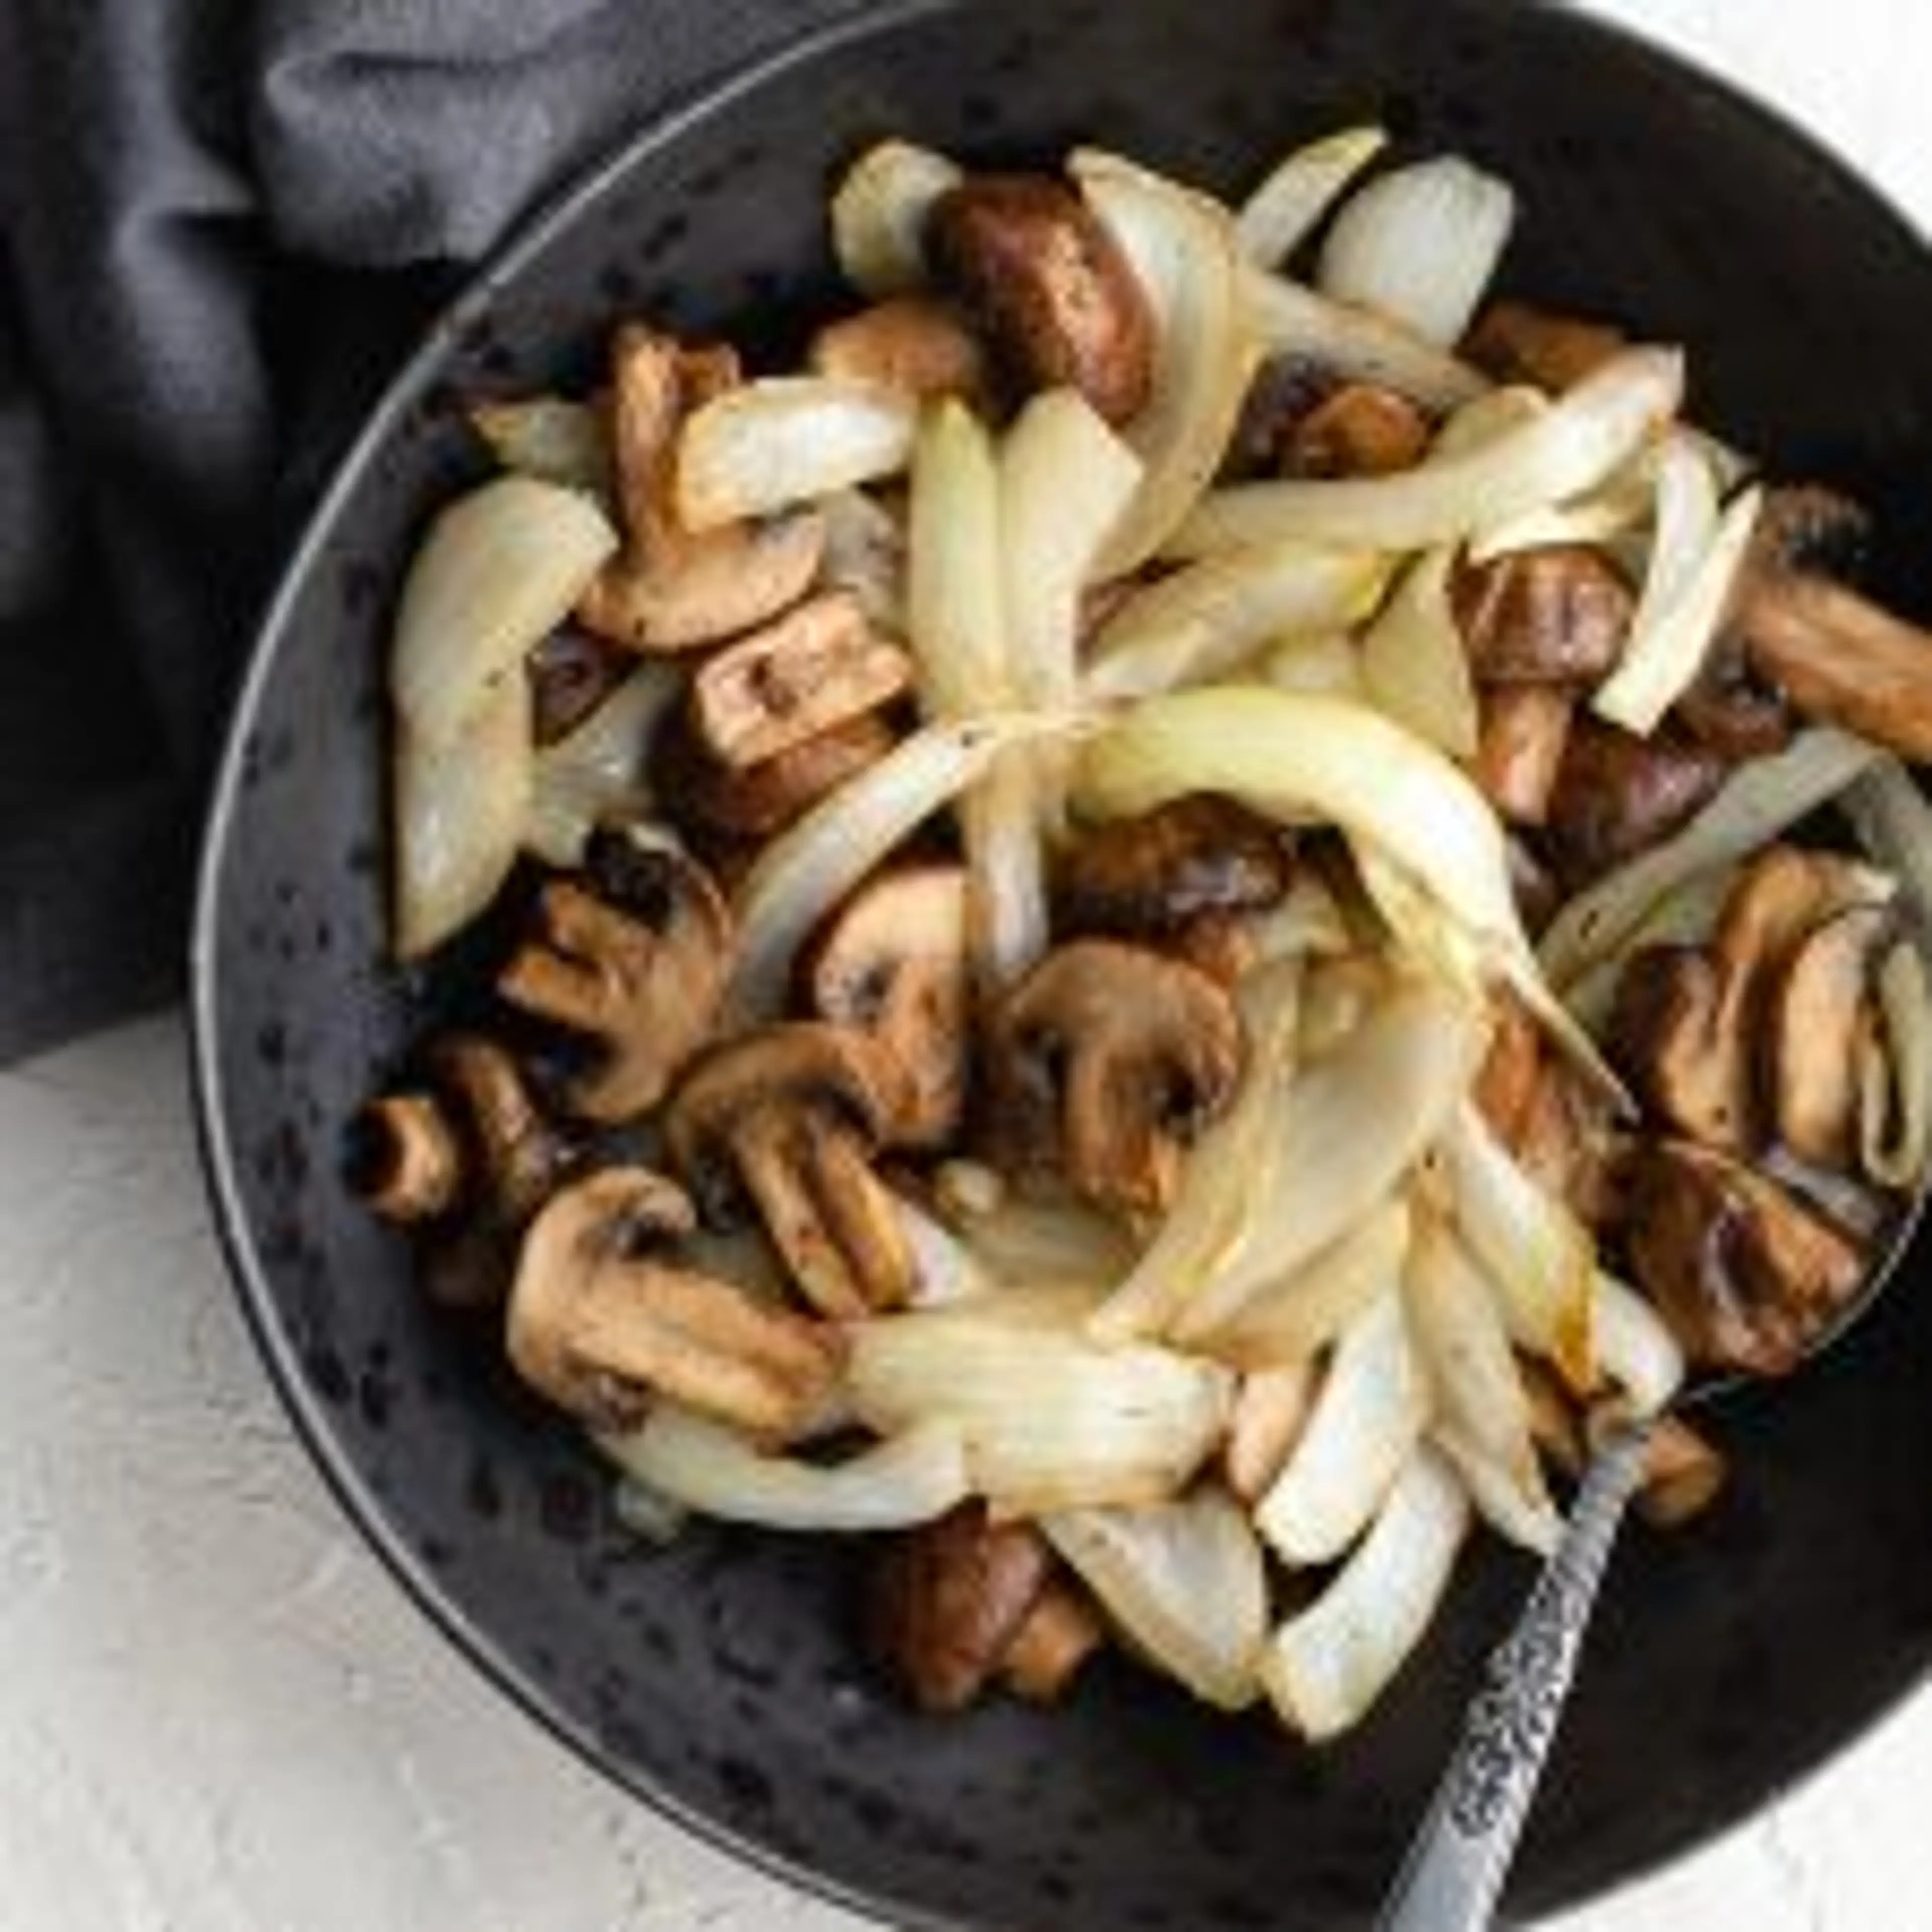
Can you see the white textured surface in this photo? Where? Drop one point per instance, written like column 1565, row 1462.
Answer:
column 216, row 1713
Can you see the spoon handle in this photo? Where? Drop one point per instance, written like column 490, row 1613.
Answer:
column 1455, row 1868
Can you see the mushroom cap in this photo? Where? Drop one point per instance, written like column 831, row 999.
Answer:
column 512, row 1156
column 1617, row 794
column 1558, row 613
column 1361, row 430
column 761, row 800
column 1524, row 729
column 1124, row 1051
column 912, row 343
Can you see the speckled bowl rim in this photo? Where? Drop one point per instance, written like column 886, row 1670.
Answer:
column 221, row 1161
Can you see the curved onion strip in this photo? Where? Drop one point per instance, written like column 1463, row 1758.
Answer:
column 956, row 620
column 1355, row 1121
column 1184, row 1581
column 1181, row 248
column 1307, row 924
column 461, row 808
column 1895, row 1077
column 650, row 1517
column 908, row 1479
column 1636, row 1351
column 1050, row 1421
column 1894, row 822
column 1485, row 418
column 499, row 569
column 1323, row 665
column 1370, row 1414
column 787, row 439
column 1288, row 204
column 1421, row 244
column 1482, row 1419
column 879, row 214
column 1757, row 803
column 1539, row 1258
column 1215, row 1197
column 549, row 439
column 1292, row 1320
column 1686, row 916
column 1199, row 623
column 1289, row 319
column 1414, row 667
column 1008, row 925
column 1600, row 518
column 1582, row 439
column 1324, row 1668
column 945, row 1270
column 1668, row 644
column 808, row 868
column 598, row 771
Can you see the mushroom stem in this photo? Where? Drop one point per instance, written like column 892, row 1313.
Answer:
column 408, row 1167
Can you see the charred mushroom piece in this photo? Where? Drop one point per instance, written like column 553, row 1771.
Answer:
column 911, row 343
column 1050, row 287
column 1617, row 795
column 758, row 801
column 893, row 965
column 1557, row 614
column 1746, row 1277
column 1842, row 660
column 408, row 1162
column 601, row 1318
column 634, row 960
column 1115, row 1055
column 1524, row 730
column 1805, row 526
column 791, row 1114
column 1506, row 1081
column 820, row 665
column 571, row 674
column 1058, row 1636
column 667, row 588
column 1516, row 343
column 948, row 1600
column 1362, row 429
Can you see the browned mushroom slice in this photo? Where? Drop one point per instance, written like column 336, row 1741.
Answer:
column 668, row 589
column 1557, row 614
column 758, row 801
column 1730, row 709
column 1049, row 286
column 1056, row 1638
column 1806, row 527
column 1519, row 749
column 571, row 674
column 1617, row 795
column 1746, row 1277
column 1113, row 1055
column 1506, row 1083
column 1815, row 1014
column 1516, row 343
column 910, row 342
column 634, row 960
column 408, row 1163
column 893, row 965
column 791, row 1114
column 948, row 1599
column 820, row 665
column 601, row 1317
column 1362, row 429
column 1567, row 1142
column 1842, row 660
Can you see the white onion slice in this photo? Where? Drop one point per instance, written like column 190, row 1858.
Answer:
column 956, row 616
column 1687, row 916
column 1758, row 801
column 1199, row 623
column 598, row 771
column 1181, row 248
column 1184, row 1581
column 1322, row 665
column 1580, row 441
column 865, row 554
column 1289, row 319
column 1288, row 204
column 1895, row 1081
column 1324, row 1668
column 1024, row 1242
column 499, row 569
column 907, row 1480
column 549, row 439
column 879, row 214
column 945, row 1270
column 1635, row 1349
column 1421, row 244
column 1370, row 1414
column 785, row 439
column 1414, row 667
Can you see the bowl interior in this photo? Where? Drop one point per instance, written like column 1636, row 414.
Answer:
column 720, row 1678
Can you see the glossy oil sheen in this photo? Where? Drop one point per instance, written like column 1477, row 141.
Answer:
column 720, row 1679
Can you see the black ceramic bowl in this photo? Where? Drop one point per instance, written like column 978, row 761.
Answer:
column 720, row 1680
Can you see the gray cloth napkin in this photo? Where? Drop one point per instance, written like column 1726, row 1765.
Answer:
column 220, row 223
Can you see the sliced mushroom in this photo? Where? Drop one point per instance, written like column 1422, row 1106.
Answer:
column 1516, row 343
column 1746, row 1277
column 1112, row 1056
column 893, row 965
column 1842, row 660
column 1567, row 1142
column 1524, row 729
column 1557, row 614
column 1049, row 286
column 757, row 801
column 1054, row 1639
column 571, row 674
column 634, row 959
column 910, row 342
column 1617, row 795
column 948, row 1600
column 601, row 1318
column 408, row 1163
column 1816, row 1015
column 1805, row 526
column 1361, row 429
column 820, row 665
column 668, row 589
column 1506, row 1081
column 791, row 1114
